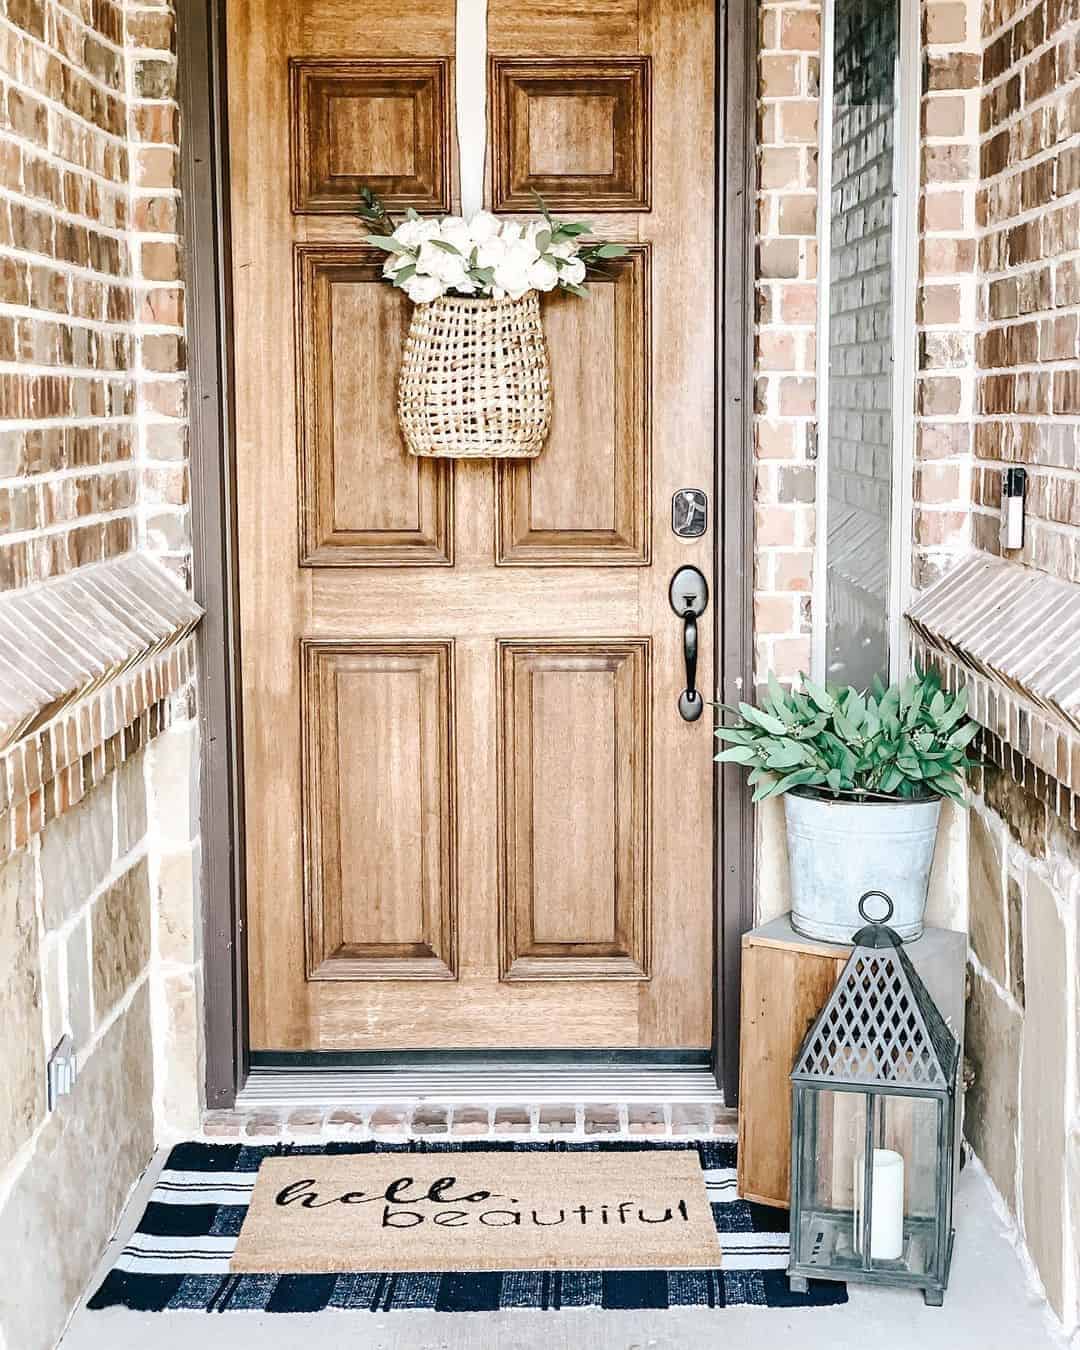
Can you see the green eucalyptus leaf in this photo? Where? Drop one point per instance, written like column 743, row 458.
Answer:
column 384, row 241
column 737, row 735
column 761, row 719
column 821, row 697
column 737, row 754
column 786, row 756
column 799, row 778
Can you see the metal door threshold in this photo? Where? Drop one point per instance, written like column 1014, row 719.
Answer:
column 292, row 1087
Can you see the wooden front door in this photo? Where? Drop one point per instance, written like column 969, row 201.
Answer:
column 474, row 815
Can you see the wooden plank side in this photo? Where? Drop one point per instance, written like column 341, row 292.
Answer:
column 782, row 992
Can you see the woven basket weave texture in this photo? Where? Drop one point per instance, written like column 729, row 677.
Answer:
column 474, row 381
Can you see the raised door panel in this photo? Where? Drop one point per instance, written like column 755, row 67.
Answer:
column 574, row 819
column 365, row 501
column 379, row 804
column 575, row 131
column 586, row 499
column 380, row 124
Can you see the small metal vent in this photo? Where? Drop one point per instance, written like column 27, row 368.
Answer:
column 879, row 1026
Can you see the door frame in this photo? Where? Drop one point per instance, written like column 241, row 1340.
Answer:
column 205, row 225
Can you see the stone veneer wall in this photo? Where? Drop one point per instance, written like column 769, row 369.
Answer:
column 97, row 892
column 1021, row 1113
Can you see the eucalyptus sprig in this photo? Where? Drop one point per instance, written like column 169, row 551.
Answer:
column 904, row 742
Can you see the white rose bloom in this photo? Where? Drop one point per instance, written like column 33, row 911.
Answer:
column 449, row 268
column 395, row 263
column 513, row 278
column 567, row 249
column 421, row 289
column 511, row 231
column 522, row 253
column 454, row 231
column 414, row 232
column 574, row 272
column 483, row 226
column 543, row 276
column 491, row 252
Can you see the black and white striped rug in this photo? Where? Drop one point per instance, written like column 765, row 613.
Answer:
column 178, row 1258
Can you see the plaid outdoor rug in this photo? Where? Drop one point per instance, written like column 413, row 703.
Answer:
column 178, row 1258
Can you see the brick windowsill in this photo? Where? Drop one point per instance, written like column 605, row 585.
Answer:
column 87, row 665
column 1010, row 635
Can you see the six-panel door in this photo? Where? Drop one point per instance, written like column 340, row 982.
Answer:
column 474, row 817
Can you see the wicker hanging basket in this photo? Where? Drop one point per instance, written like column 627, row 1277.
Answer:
column 474, row 379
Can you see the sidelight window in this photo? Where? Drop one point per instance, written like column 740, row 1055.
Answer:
column 868, row 188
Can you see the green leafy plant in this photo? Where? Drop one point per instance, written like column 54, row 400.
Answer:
column 904, row 742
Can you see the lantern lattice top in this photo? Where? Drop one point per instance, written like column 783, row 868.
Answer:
column 880, row 1025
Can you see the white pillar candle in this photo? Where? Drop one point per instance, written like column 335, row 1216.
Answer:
column 887, row 1217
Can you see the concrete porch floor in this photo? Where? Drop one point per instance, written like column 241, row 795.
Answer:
column 990, row 1305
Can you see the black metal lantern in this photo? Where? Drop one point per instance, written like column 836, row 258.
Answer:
column 873, row 1127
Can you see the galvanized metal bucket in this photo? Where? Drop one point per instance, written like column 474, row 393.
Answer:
column 839, row 850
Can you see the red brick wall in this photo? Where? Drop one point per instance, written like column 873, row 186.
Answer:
column 788, row 69
column 946, row 299
column 1027, row 353
column 91, row 453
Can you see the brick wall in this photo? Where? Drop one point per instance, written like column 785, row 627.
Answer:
column 947, row 291
column 789, row 67
column 160, row 383
column 97, row 901
column 1027, row 354
column 90, row 310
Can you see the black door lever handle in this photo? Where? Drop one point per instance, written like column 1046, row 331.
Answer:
column 689, row 596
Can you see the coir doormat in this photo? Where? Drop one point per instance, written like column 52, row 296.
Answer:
column 193, row 1248
column 482, row 1210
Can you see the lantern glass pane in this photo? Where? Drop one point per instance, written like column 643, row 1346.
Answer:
column 907, row 1173
column 832, row 1135
column 832, row 1213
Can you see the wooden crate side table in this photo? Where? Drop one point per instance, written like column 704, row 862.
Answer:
column 786, row 979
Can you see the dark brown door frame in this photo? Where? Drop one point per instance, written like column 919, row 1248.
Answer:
column 204, row 206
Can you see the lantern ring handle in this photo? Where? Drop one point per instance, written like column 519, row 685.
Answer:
column 881, row 894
